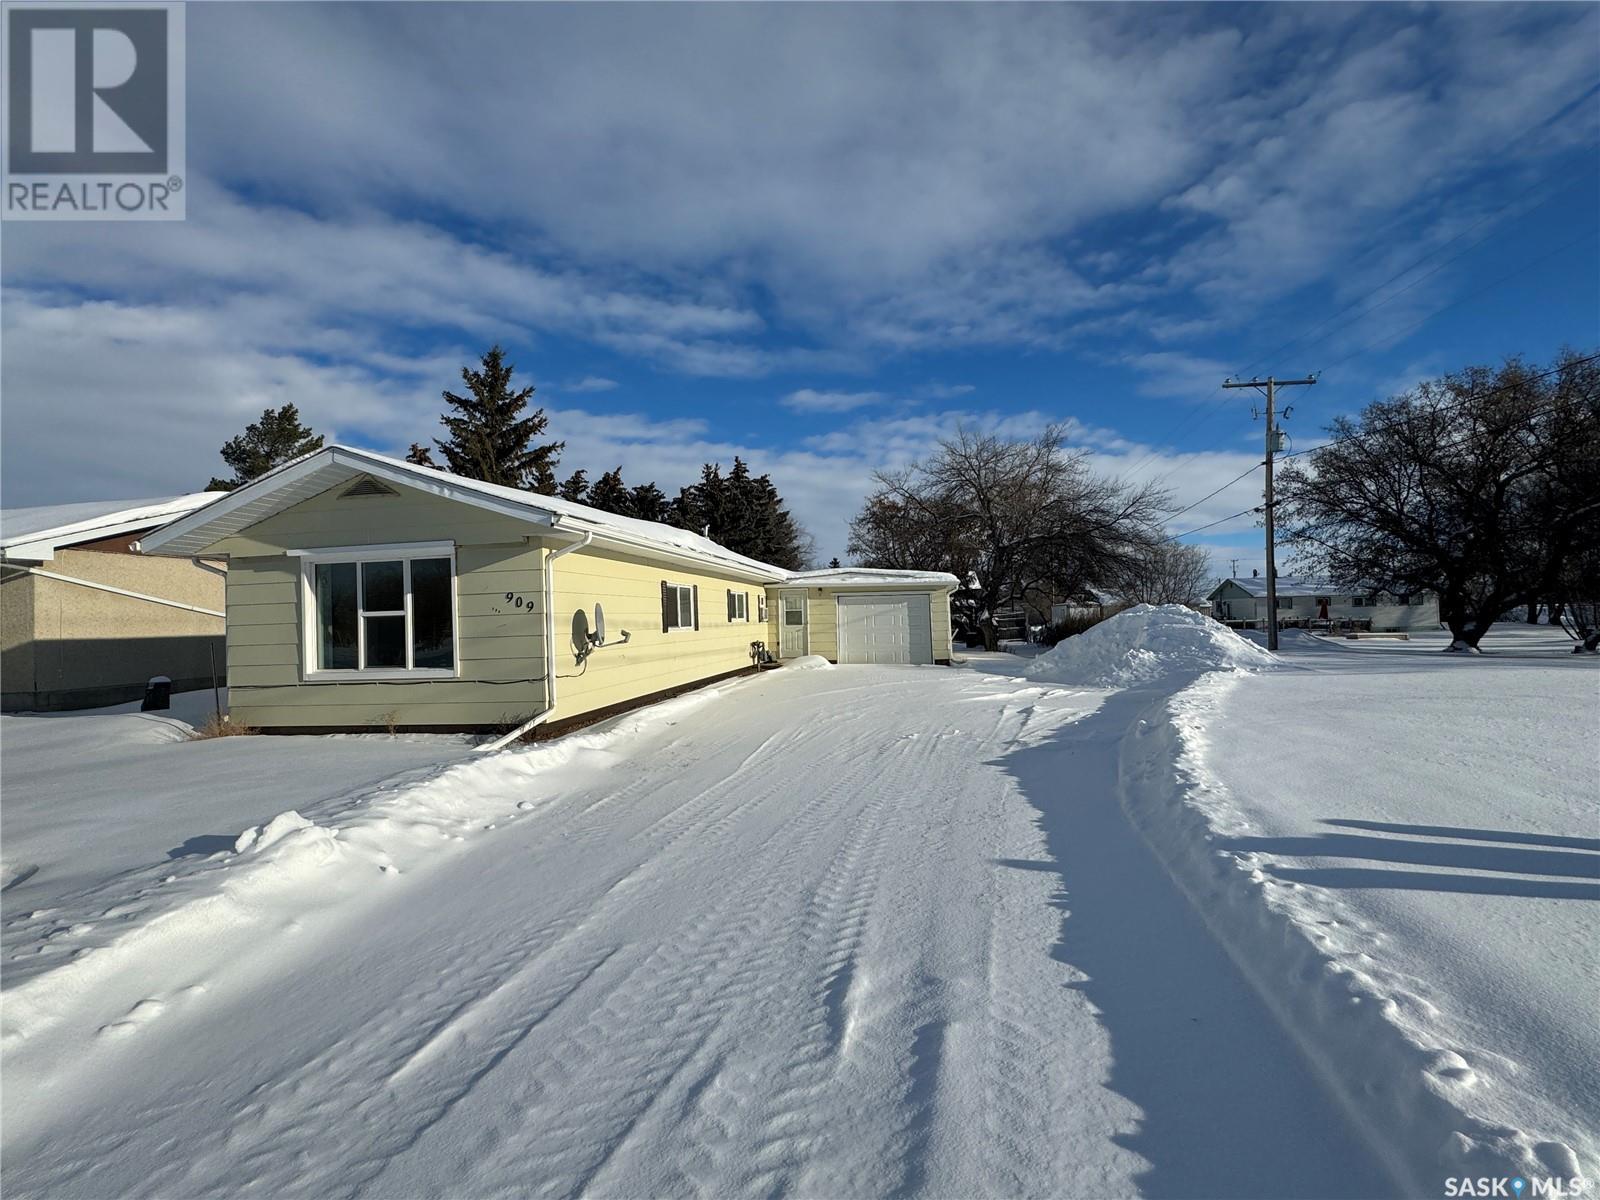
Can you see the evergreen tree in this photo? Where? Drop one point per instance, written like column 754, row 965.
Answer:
column 277, row 438
column 490, row 439
column 575, row 487
column 649, row 502
column 421, row 456
column 833, row 564
column 701, row 507
column 610, row 494
column 745, row 513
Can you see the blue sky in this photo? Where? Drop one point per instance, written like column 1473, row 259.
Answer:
column 819, row 236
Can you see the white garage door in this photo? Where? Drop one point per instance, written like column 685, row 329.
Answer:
column 885, row 629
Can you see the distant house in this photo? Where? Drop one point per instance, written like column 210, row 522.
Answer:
column 364, row 590
column 1085, row 602
column 86, row 622
column 1243, row 602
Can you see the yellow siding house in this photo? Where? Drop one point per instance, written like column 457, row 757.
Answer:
column 367, row 592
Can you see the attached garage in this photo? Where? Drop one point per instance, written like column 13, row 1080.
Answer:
column 886, row 628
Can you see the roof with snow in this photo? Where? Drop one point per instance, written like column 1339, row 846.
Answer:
column 1288, row 585
column 331, row 466
column 852, row 577
column 35, row 534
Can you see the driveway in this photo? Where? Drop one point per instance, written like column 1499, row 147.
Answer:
column 848, row 932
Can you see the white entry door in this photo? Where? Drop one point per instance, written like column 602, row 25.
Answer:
column 792, row 625
column 885, row 629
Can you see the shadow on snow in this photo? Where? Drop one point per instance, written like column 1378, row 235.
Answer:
column 1229, row 1108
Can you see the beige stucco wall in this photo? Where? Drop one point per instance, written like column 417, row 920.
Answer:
column 628, row 587
column 66, row 645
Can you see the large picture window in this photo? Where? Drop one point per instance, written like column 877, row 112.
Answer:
column 385, row 614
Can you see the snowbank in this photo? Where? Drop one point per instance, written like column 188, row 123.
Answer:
column 808, row 662
column 1379, row 1048
column 1146, row 643
column 282, row 872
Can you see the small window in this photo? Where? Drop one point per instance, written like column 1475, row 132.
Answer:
column 678, row 607
column 384, row 615
column 1358, row 601
column 1285, row 601
column 1403, row 598
column 761, row 607
column 738, row 606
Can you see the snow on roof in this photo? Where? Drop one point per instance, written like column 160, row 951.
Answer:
column 871, row 577
column 323, row 469
column 1289, row 585
column 35, row 534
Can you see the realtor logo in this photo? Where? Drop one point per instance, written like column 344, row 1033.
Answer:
column 94, row 116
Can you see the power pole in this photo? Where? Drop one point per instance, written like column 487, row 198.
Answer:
column 1270, row 386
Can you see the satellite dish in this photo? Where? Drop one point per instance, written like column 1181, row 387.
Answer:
column 598, row 637
column 580, row 633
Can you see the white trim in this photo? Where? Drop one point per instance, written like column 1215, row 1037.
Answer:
column 805, row 617
column 309, row 650
column 41, row 544
column 116, row 591
column 434, row 482
column 371, row 551
column 694, row 608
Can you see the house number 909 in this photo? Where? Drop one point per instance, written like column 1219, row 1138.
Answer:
column 518, row 601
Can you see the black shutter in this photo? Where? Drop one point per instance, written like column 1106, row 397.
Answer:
column 730, row 605
column 696, row 599
column 666, row 611
column 747, row 613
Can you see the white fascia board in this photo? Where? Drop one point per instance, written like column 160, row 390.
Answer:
column 234, row 500
column 353, row 461
column 706, row 564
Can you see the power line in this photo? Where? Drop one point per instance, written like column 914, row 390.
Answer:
column 1396, row 338
column 1253, row 467
column 1201, row 412
column 1366, row 433
column 1404, row 271
column 1232, row 516
column 1392, row 338
column 1455, row 404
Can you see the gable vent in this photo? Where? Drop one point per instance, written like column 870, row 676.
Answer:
column 367, row 486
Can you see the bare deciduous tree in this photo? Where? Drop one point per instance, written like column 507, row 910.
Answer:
column 1169, row 574
column 1017, row 515
column 1482, row 486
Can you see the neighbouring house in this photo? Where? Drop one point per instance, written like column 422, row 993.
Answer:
column 367, row 591
column 1085, row 602
column 1243, row 602
column 85, row 622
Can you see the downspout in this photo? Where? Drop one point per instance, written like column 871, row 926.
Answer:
column 211, row 647
column 501, row 743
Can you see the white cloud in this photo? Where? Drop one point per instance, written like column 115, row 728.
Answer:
column 811, row 400
column 591, row 383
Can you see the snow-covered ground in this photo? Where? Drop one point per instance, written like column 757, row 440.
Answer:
column 1433, row 824
column 99, row 809
column 836, row 931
